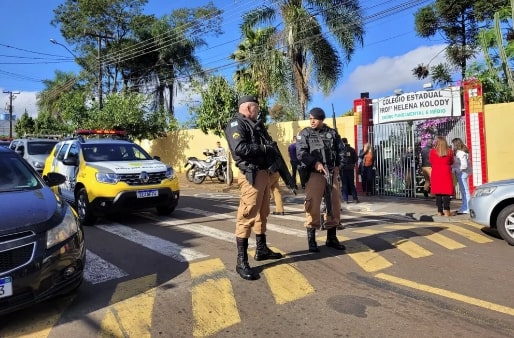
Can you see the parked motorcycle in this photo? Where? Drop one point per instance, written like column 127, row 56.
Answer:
column 214, row 167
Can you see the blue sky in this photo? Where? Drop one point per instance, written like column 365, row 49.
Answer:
column 391, row 49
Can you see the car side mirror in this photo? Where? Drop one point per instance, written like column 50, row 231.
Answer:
column 158, row 158
column 53, row 179
column 71, row 160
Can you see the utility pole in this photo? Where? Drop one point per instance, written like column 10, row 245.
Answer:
column 11, row 97
column 99, row 38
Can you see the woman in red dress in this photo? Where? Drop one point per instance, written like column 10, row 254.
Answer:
column 441, row 179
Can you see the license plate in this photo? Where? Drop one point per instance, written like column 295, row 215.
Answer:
column 5, row 287
column 147, row 193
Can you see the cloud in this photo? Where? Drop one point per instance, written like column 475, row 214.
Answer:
column 389, row 73
column 24, row 101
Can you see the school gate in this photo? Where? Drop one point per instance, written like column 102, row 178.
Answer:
column 399, row 126
column 398, row 152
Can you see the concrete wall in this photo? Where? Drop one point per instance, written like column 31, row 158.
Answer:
column 499, row 140
column 499, row 122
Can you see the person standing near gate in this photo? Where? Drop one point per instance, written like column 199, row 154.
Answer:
column 426, row 167
column 462, row 169
column 348, row 172
column 319, row 149
column 441, row 159
column 245, row 137
column 367, row 169
column 293, row 159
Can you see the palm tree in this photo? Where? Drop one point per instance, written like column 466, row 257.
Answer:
column 313, row 58
column 263, row 69
column 55, row 90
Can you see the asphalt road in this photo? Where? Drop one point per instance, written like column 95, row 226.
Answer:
column 152, row 276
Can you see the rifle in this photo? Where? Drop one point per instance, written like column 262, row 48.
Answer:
column 316, row 143
column 277, row 163
column 334, row 117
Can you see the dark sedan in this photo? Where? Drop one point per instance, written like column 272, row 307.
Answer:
column 42, row 252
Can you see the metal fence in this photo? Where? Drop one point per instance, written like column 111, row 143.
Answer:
column 398, row 152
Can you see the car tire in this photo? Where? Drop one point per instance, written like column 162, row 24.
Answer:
column 166, row 210
column 85, row 214
column 505, row 224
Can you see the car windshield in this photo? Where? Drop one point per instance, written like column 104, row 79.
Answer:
column 114, row 152
column 15, row 175
column 40, row 148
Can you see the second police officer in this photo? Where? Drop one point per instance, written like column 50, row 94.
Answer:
column 319, row 149
column 245, row 136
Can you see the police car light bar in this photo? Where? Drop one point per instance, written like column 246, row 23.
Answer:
column 100, row 132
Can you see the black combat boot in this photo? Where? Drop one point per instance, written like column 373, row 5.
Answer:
column 332, row 240
column 243, row 268
column 262, row 251
column 311, row 239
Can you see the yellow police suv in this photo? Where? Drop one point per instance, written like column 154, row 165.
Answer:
column 108, row 175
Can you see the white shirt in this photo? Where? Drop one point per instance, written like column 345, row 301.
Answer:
column 461, row 162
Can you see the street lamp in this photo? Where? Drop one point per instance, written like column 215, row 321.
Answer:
column 60, row 44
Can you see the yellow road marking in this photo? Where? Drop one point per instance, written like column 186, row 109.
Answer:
column 131, row 309
column 38, row 325
column 366, row 258
column 405, row 245
column 214, row 303
column 473, row 224
column 471, row 235
column 448, row 294
column 286, row 283
column 429, row 234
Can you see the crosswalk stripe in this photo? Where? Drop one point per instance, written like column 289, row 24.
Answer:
column 199, row 229
column 131, row 308
column 270, row 226
column 472, row 224
column 406, row 246
column 302, row 218
column 98, row 270
column 364, row 256
column 286, row 283
column 430, row 235
column 154, row 243
column 214, row 303
column 471, row 235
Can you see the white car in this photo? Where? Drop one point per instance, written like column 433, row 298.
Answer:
column 492, row 205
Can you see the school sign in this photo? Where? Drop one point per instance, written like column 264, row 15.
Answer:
column 417, row 105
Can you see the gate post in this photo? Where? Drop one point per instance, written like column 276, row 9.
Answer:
column 475, row 132
column 363, row 118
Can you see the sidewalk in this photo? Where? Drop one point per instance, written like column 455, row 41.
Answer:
column 420, row 209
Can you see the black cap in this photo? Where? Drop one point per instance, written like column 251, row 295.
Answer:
column 317, row 113
column 247, row 98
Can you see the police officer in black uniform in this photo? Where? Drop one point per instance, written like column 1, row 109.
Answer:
column 252, row 156
column 348, row 172
column 319, row 149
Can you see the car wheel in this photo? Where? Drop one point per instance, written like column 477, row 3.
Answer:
column 505, row 224
column 84, row 209
column 166, row 209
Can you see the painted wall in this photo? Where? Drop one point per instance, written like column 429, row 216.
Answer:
column 499, row 122
column 178, row 146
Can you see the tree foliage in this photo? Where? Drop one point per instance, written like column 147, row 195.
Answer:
column 312, row 30
column 217, row 105
column 458, row 22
